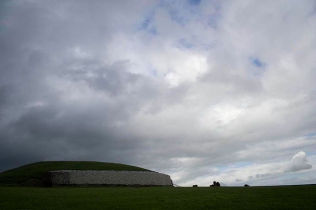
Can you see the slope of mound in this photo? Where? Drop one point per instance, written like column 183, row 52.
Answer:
column 32, row 174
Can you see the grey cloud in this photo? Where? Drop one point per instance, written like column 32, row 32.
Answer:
column 77, row 82
column 113, row 79
column 229, row 81
column 4, row 94
column 263, row 175
column 67, row 133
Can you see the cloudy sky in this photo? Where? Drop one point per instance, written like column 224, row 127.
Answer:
column 200, row 90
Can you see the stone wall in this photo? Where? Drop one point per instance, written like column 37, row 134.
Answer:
column 109, row 178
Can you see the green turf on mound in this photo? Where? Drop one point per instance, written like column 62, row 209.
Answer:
column 36, row 171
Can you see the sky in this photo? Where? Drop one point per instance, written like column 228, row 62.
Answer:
column 200, row 90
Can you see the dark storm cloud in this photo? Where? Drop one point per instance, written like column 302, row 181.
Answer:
column 4, row 94
column 60, row 131
column 57, row 127
column 57, row 104
column 38, row 121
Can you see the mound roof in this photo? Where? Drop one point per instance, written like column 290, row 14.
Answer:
column 36, row 171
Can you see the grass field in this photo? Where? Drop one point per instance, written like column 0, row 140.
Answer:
column 279, row 197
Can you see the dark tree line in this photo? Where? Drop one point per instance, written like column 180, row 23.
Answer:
column 215, row 184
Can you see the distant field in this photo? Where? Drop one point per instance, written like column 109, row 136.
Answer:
column 281, row 197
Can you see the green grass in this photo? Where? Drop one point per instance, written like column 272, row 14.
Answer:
column 280, row 197
column 21, row 175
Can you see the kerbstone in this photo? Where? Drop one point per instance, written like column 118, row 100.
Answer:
column 93, row 177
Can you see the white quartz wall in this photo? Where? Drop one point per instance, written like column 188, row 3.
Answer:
column 73, row 177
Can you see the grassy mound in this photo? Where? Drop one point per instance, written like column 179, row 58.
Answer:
column 32, row 174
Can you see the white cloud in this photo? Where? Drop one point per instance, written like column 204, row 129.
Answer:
column 298, row 162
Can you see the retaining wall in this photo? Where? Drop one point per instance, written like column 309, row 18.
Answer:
column 108, row 178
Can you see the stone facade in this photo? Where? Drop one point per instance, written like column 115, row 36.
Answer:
column 109, row 178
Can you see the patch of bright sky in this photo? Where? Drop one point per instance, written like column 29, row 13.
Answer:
column 257, row 62
column 259, row 66
column 192, row 42
column 311, row 135
column 172, row 79
column 207, row 47
column 178, row 12
column 175, row 16
column 148, row 25
column 153, row 72
column 186, row 43
column 194, row 2
column 219, row 115
column 79, row 53
column 181, row 12
column 240, row 164
column 213, row 20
